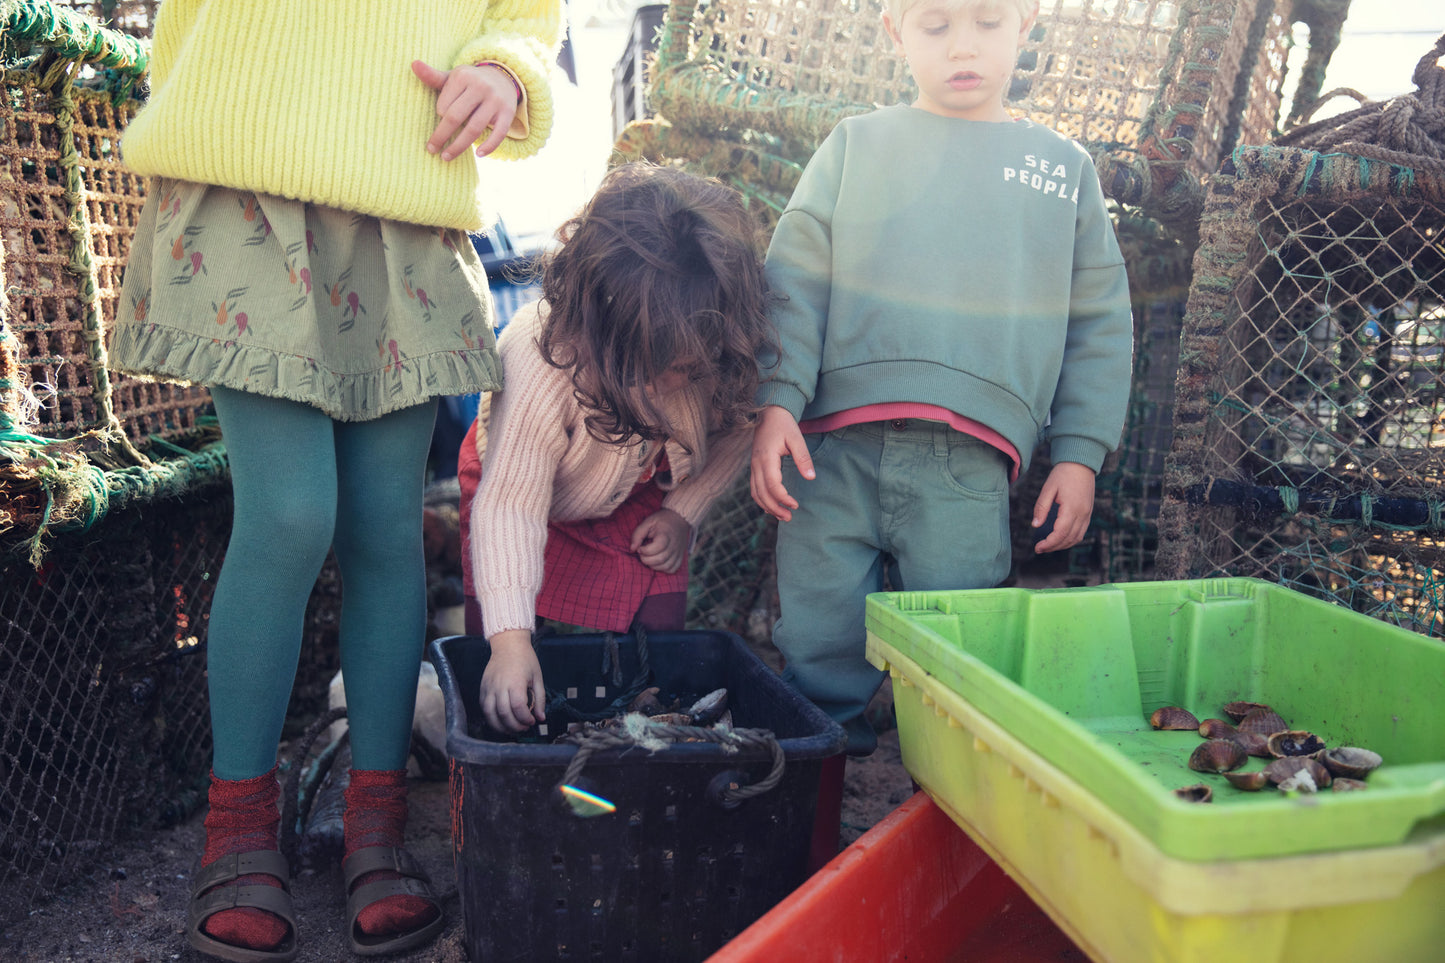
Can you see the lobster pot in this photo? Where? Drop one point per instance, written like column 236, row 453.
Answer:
column 682, row 865
column 1159, row 90
column 1310, row 405
column 103, row 714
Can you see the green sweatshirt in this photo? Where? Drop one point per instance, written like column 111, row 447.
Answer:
column 957, row 263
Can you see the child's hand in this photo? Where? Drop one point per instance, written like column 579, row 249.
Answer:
column 777, row 435
column 469, row 100
column 512, row 693
column 1071, row 487
column 661, row 540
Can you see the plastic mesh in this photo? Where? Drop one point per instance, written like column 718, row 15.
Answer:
column 1311, row 394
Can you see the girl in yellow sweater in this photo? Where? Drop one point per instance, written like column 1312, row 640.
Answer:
column 627, row 411
column 302, row 252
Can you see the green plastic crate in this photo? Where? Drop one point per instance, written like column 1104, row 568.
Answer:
column 1073, row 675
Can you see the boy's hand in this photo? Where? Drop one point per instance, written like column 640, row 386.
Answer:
column 469, row 100
column 777, row 435
column 1070, row 486
column 512, row 693
column 661, row 540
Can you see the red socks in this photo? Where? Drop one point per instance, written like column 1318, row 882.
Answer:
column 243, row 818
column 376, row 816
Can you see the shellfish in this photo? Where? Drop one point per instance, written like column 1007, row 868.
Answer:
column 1217, row 755
column 1350, row 762
column 1197, row 794
column 1254, row 744
column 1298, row 773
column 1252, row 781
column 1173, row 717
column 1238, row 710
column 1262, row 720
column 1217, row 729
column 1295, row 742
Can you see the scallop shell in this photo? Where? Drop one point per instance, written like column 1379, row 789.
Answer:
column 1295, row 742
column 1199, row 794
column 1238, row 710
column 1351, row 762
column 1217, row 755
column 1217, row 729
column 1299, row 773
column 1173, row 717
column 1251, row 781
column 1254, row 744
column 1263, row 720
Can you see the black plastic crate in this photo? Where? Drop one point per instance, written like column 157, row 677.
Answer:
column 679, row 869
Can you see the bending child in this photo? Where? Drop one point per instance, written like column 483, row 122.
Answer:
column 303, row 253
column 628, row 409
column 951, row 294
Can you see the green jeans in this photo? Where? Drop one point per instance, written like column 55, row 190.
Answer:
column 916, row 499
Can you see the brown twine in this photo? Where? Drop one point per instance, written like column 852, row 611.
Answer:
column 1408, row 130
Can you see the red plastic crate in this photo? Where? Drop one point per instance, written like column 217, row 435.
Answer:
column 913, row 888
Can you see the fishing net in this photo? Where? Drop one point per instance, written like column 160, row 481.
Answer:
column 1156, row 89
column 1310, row 414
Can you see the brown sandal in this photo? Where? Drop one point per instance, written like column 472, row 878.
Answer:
column 210, row 895
column 414, row 882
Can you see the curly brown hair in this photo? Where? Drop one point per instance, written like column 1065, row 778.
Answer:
column 660, row 268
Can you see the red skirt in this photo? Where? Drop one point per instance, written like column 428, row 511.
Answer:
column 591, row 577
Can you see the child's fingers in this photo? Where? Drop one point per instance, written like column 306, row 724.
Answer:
column 802, row 460
column 495, row 138
column 429, row 75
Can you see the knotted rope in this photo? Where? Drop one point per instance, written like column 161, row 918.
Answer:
column 637, row 730
column 1408, row 130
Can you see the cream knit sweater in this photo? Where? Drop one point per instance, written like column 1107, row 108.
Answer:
column 539, row 463
column 317, row 102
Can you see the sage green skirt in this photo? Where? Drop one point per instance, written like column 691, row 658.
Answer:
column 352, row 314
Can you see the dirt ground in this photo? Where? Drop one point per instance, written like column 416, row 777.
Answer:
column 131, row 908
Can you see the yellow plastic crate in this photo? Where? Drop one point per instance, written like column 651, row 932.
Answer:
column 1118, row 896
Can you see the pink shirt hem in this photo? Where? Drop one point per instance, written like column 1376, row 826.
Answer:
column 893, row 410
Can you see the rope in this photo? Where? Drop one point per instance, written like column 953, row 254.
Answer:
column 1408, row 130
column 638, row 730
column 293, row 809
column 75, row 36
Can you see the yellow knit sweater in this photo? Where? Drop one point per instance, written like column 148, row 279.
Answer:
column 316, row 100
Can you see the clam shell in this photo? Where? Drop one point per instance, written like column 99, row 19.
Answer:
column 1299, row 773
column 1252, row 781
column 1217, row 755
column 1254, row 744
column 1346, row 784
column 1200, row 793
column 1238, row 710
column 1351, row 762
column 709, row 708
column 1173, row 717
column 1295, row 742
column 1217, row 729
column 1263, row 720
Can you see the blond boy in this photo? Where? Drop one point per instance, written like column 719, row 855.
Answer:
column 952, row 295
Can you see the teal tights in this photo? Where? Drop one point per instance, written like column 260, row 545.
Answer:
column 304, row 483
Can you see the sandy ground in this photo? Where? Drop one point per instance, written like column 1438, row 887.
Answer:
column 131, row 908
